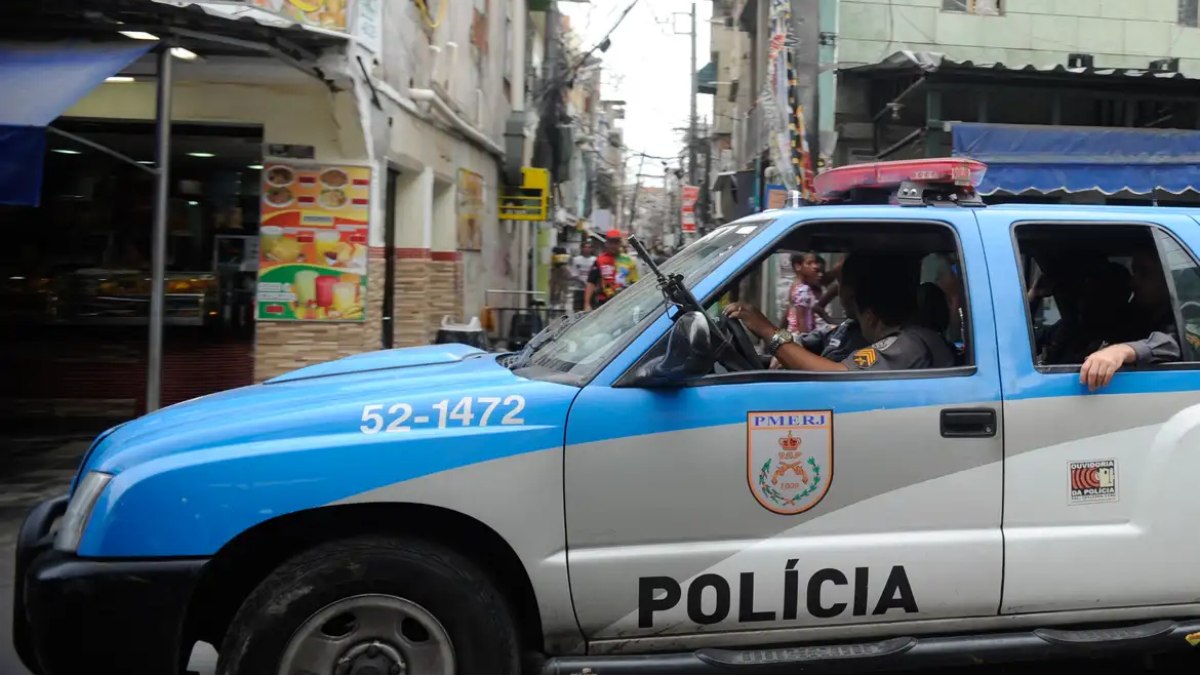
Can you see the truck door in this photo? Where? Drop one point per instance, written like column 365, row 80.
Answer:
column 778, row 499
column 1097, row 489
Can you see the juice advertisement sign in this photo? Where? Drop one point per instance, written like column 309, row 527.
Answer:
column 312, row 262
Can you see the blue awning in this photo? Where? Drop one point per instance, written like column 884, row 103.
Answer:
column 40, row 81
column 1023, row 158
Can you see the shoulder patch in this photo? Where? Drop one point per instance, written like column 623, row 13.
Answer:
column 885, row 343
column 865, row 358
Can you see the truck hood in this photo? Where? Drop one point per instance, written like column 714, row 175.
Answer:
column 382, row 360
column 188, row 478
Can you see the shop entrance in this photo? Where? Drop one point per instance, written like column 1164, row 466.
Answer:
column 75, row 272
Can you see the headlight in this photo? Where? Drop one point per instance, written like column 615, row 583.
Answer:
column 70, row 531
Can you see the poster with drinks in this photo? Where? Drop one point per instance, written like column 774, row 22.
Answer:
column 312, row 263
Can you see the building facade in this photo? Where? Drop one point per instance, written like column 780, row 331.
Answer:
column 423, row 115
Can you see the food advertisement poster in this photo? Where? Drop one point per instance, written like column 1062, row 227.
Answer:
column 312, row 263
column 328, row 14
column 470, row 210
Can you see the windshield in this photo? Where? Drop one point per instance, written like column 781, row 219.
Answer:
column 586, row 344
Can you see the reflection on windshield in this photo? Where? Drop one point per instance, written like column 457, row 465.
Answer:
column 583, row 347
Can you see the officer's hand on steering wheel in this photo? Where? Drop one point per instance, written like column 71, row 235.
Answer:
column 752, row 319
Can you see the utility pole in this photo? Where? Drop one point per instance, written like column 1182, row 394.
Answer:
column 692, row 117
column 636, row 184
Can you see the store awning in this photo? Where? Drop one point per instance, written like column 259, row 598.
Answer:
column 1029, row 158
column 41, row 81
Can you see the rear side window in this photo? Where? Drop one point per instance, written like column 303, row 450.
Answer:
column 1088, row 286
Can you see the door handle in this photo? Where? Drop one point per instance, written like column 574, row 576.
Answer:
column 968, row 423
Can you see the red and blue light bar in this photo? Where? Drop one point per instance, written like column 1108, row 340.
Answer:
column 958, row 173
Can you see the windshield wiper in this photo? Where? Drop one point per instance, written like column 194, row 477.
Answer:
column 544, row 337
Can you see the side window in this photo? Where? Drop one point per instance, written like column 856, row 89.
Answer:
column 910, row 273
column 1091, row 286
column 1183, row 278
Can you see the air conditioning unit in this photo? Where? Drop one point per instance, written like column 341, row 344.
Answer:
column 1168, row 65
column 1079, row 60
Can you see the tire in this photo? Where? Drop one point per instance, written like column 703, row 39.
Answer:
column 457, row 595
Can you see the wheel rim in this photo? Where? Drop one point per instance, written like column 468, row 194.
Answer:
column 369, row 635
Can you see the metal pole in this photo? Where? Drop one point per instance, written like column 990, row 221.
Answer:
column 814, row 145
column 158, row 255
column 692, row 117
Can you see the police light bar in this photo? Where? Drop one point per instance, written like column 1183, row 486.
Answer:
column 907, row 178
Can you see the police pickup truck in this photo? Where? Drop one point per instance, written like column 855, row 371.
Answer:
column 640, row 491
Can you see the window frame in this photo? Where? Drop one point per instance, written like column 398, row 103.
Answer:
column 767, row 376
column 1066, row 368
column 1183, row 19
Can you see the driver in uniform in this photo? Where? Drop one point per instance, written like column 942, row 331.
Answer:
column 885, row 300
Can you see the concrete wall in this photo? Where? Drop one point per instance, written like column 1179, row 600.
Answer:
column 1120, row 33
column 481, row 83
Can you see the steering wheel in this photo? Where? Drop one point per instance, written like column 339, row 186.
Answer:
column 742, row 344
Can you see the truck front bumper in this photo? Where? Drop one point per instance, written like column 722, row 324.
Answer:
column 79, row 615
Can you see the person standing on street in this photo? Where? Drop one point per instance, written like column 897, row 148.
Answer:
column 804, row 315
column 612, row 272
column 581, row 266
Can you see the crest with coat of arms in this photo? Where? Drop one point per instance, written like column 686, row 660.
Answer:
column 789, row 458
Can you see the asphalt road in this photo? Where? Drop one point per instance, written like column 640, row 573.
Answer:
column 33, row 468
column 36, row 468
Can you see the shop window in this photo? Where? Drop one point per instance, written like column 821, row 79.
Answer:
column 1189, row 12
column 983, row 7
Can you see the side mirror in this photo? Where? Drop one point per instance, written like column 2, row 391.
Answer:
column 691, row 352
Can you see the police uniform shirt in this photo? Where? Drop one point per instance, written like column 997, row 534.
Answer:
column 911, row 347
column 1160, row 347
column 834, row 343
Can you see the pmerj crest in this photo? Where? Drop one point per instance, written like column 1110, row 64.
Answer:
column 789, row 459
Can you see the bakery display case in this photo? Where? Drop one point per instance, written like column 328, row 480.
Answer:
column 122, row 298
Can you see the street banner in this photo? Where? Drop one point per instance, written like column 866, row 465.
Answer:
column 688, row 196
column 313, row 242
column 327, row 14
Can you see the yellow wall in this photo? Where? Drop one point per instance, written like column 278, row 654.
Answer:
column 308, row 114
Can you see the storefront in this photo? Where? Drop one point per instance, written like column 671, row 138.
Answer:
column 263, row 149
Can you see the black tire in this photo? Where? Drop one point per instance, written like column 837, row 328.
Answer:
column 473, row 612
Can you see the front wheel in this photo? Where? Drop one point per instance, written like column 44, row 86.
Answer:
column 373, row 606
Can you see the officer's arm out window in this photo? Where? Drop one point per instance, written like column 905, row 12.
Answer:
column 1105, row 297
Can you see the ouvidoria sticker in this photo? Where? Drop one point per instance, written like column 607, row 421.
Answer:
column 1093, row 482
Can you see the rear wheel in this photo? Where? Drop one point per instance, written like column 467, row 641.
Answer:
column 373, row 606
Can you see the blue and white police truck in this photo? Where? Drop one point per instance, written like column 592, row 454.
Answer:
column 642, row 490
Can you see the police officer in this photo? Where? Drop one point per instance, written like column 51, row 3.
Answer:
column 884, row 294
column 1149, row 315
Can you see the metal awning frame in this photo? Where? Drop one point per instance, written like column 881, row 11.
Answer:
column 949, row 78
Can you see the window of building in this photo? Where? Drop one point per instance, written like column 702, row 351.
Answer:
column 984, row 7
column 1189, row 12
column 1090, row 287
